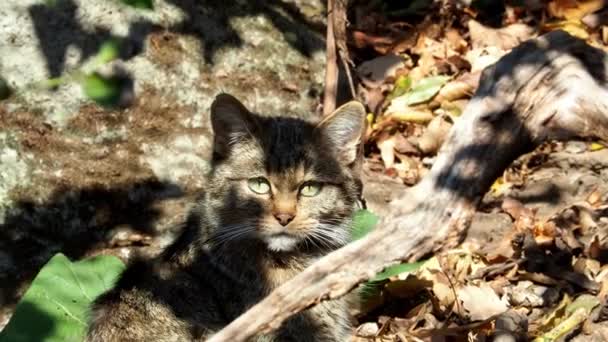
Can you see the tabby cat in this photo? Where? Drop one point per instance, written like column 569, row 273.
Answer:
column 280, row 195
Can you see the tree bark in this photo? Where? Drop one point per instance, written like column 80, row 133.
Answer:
column 551, row 87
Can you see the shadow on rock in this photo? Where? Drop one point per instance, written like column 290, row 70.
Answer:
column 57, row 27
column 73, row 221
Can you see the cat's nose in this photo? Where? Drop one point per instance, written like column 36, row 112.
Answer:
column 284, row 218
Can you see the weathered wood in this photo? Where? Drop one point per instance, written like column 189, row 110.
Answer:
column 552, row 87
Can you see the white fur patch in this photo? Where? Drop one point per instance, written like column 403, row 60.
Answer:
column 281, row 243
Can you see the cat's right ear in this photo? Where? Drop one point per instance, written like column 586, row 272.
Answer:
column 231, row 123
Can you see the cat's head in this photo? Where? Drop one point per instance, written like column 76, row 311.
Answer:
column 285, row 182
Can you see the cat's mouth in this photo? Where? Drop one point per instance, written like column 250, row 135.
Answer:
column 281, row 242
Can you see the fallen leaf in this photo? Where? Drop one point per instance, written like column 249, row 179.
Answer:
column 404, row 146
column 594, row 198
column 480, row 58
column 369, row 329
column 455, row 90
column 481, row 302
column 504, row 38
column 500, row 186
column 402, row 84
column 436, row 133
column 408, row 114
column 596, row 146
column 375, row 71
column 381, row 44
column 421, row 91
column 572, row 9
column 545, row 233
column 574, row 27
column 527, row 293
column 432, row 272
column 455, row 40
column 386, row 145
column 577, row 312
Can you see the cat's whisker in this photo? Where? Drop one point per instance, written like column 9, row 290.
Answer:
column 333, row 233
column 231, row 233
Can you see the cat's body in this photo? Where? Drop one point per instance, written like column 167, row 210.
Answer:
column 280, row 196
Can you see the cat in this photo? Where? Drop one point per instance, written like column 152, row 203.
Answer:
column 280, row 195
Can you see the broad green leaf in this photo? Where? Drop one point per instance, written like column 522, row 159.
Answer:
column 141, row 4
column 108, row 51
column 103, row 90
column 363, row 223
column 55, row 307
column 398, row 269
column 424, row 90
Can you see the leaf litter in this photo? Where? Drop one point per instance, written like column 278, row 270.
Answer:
column 539, row 272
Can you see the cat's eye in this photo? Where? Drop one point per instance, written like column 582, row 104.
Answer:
column 310, row 189
column 259, row 185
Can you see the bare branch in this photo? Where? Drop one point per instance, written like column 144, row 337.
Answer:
column 552, row 87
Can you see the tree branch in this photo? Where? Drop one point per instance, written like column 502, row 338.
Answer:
column 552, row 87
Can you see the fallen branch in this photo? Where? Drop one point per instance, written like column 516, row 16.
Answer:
column 552, row 87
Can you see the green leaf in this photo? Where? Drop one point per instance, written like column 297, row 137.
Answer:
column 402, row 85
column 363, row 223
column 108, row 51
column 141, row 4
column 55, row 307
column 424, row 90
column 103, row 90
column 397, row 269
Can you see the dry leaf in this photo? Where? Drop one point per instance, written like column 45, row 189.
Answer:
column 594, row 198
column 527, row 293
column 480, row 58
column 504, row 38
column 574, row 27
column 408, row 114
column 572, row 9
column 436, row 133
column 386, row 145
column 596, row 146
column 500, row 186
column 375, row 71
column 455, row 41
column 404, row 146
column 432, row 272
column 381, row 44
column 481, row 302
column 545, row 233
column 455, row 90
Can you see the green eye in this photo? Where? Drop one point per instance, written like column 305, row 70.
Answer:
column 259, row 185
column 310, row 189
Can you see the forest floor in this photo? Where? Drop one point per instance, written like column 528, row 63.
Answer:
column 533, row 264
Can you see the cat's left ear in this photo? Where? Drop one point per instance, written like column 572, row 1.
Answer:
column 231, row 123
column 344, row 130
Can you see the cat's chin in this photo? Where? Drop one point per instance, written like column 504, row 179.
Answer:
column 281, row 243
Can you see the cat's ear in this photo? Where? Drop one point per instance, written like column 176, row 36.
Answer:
column 231, row 123
column 344, row 129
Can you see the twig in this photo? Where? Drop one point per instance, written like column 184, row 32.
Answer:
column 331, row 67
